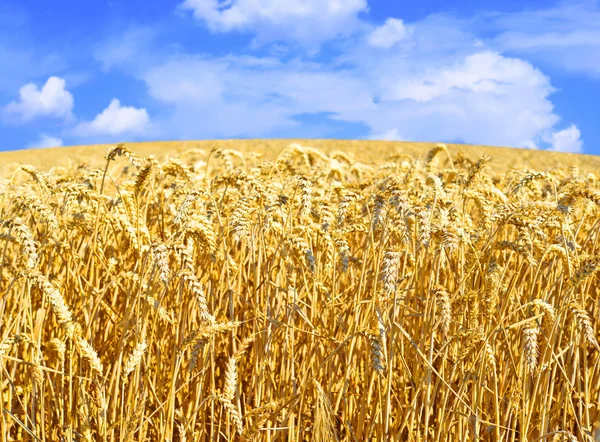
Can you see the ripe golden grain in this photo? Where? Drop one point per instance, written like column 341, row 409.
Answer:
column 318, row 294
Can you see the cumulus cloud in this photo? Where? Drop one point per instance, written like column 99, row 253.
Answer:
column 115, row 120
column 483, row 98
column 439, row 82
column 567, row 140
column 484, row 72
column 45, row 141
column 388, row 34
column 307, row 21
column 52, row 100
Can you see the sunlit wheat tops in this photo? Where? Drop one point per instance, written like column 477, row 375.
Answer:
column 60, row 308
column 391, row 263
column 134, row 359
column 88, row 352
column 530, row 346
column 221, row 294
column 22, row 235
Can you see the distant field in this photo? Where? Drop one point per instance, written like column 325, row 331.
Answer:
column 364, row 151
column 299, row 290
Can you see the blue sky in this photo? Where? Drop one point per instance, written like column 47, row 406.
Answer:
column 510, row 73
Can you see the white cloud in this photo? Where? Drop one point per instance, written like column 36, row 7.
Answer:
column 438, row 83
column 388, row 34
column 52, row 100
column 45, row 141
column 306, row 21
column 388, row 135
column 566, row 36
column 483, row 72
column 482, row 98
column 567, row 140
column 248, row 96
column 115, row 120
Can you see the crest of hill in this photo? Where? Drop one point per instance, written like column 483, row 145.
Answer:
column 365, row 151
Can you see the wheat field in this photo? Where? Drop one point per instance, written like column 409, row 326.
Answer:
column 306, row 293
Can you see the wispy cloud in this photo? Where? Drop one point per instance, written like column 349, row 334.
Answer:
column 565, row 36
column 122, row 49
column 52, row 100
